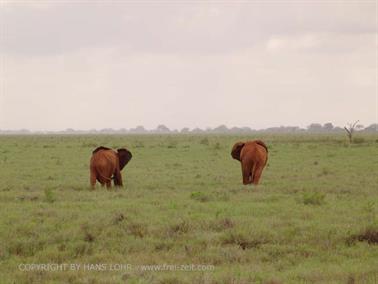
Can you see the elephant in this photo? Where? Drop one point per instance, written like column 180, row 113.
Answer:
column 106, row 164
column 253, row 156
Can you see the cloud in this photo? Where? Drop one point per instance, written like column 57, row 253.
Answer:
column 118, row 64
column 321, row 42
column 40, row 28
column 102, row 87
column 302, row 42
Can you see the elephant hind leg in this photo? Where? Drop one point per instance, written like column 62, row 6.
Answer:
column 118, row 179
column 93, row 179
column 246, row 171
column 257, row 174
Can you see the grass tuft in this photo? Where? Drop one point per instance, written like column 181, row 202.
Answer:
column 118, row 218
column 49, row 195
column 369, row 235
column 180, row 228
column 205, row 141
column 314, row 198
column 241, row 240
column 137, row 230
column 222, row 224
column 200, row 196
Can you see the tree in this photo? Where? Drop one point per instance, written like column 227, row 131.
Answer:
column 314, row 127
column 185, row 130
column 138, row 130
column 220, row 129
column 162, row 129
column 350, row 130
column 197, row 130
column 328, row 126
column 372, row 128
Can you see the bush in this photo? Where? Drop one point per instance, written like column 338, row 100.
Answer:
column 204, row 141
column 313, row 198
column 49, row 195
column 220, row 225
column 217, row 146
column 358, row 140
column 138, row 144
column 369, row 235
column 137, row 229
column 182, row 227
column 244, row 242
column 172, row 144
column 200, row 196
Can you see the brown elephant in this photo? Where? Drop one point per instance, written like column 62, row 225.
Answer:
column 253, row 156
column 106, row 164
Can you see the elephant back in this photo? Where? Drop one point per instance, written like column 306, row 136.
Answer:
column 99, row 149
column 259, row 142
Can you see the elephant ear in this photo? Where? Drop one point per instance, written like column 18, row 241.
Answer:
column 124, row 156
column 235, row 153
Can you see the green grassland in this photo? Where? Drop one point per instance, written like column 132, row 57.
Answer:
column 313, row 218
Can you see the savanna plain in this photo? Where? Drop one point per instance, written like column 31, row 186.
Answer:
column 312, row 219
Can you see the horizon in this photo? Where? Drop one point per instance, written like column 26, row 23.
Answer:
column 309, row 128
column 187, row 64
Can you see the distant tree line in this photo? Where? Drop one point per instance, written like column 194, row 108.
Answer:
column 222, row 129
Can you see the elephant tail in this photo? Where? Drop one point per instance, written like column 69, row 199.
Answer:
column 102, row 178
column 262, row 144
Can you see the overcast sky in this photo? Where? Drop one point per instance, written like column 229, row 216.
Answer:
column 119, row 64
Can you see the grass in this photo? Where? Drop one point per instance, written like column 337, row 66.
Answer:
column 312, row 219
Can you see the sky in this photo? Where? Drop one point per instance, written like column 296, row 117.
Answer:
column 120, row 64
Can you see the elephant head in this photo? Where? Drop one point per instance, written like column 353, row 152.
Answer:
column 235, row 153
column 124, row 157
